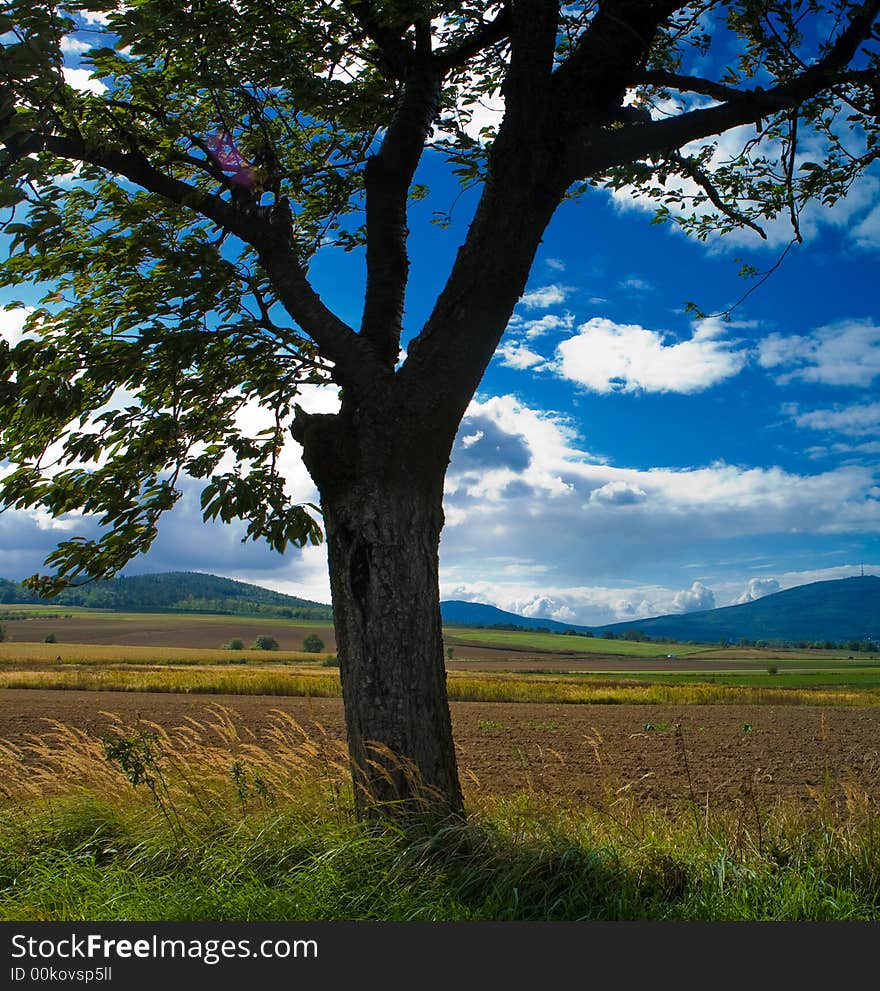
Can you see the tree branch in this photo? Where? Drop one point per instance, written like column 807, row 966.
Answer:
column 267, row 229
column 686, row 84
column 691, row 169
column 593, row 150
column 395, row 51
column 387, row 178
column 485, row 36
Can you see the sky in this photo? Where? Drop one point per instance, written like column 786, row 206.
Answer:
column 621, row 459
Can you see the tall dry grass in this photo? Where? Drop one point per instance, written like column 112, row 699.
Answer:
column 207, row 821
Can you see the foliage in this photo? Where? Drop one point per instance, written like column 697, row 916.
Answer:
column 169, row 215
column 234, row 644
column 50, row 638
column 313, row 644
column 265, row 642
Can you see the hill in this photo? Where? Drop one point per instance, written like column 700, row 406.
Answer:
column 458, row 613
column 176, row 591
column 837, row 611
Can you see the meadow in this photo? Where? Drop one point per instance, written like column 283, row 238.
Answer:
column 603, row 780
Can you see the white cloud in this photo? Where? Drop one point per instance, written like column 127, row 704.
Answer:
column 857, row 420
column 608, row 357
column 556, row 264
column 698, row 596
column 635, row 285
column 73, row 46
column 867, row 233
column 12, row 325
column 96, row 17
column 547, row 323
column 545, row 296
column 81, row 79
column 516, row 355
column 757, row 588
column 618, row 494
column 529, row 489
column 843, row 353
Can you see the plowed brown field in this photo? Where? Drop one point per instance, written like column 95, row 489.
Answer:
column 724, row 754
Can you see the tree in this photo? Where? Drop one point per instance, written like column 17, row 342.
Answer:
column 313, row 644
column 172, row 219
column 265, row 642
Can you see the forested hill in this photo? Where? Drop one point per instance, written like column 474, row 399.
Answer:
column 175, row 591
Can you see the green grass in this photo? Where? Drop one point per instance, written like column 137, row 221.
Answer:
column 561, row 643
column 250, row 836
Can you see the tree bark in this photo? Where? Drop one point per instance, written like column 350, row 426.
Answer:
column 382, row 506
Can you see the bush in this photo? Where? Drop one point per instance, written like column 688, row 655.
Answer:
column 313, row 644
column 773, row 669
column 234, row 644
column 265, row 643
column 50, row 638
column 330, row 661
column 2, row 633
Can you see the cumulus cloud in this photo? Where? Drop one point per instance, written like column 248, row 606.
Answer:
column 545, row 296
column 867, row 232
column 607, row 357
column 72, row 46
column 843, row 353
column 618, row 494
column 547, row 323
column 563, row 515
column 81, row 79
column 698, row 596
column 757, row 588
column 513, row 354
column 12, row 325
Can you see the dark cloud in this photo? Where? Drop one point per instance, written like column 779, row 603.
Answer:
column 482, row 444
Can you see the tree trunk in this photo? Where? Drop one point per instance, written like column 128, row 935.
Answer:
column 381, row 496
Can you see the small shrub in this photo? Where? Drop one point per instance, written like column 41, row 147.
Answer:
column 772, row 669
column 450, row 653
column 313, row 644
column 50, row 638
column 330, row 661
column 265, row 643
column 234, row 644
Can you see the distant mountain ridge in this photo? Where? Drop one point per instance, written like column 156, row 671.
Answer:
column 176, row 591
column 838, row 611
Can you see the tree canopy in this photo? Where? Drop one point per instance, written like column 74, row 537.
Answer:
column 172, row 210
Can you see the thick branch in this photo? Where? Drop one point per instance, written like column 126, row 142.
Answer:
column 594, row 150
column 387, row 179
column 590, row 86
column 266, row 228
column 395, row 51
column 485, row 36
column 686, row 84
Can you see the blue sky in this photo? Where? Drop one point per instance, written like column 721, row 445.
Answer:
column 622, row 459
